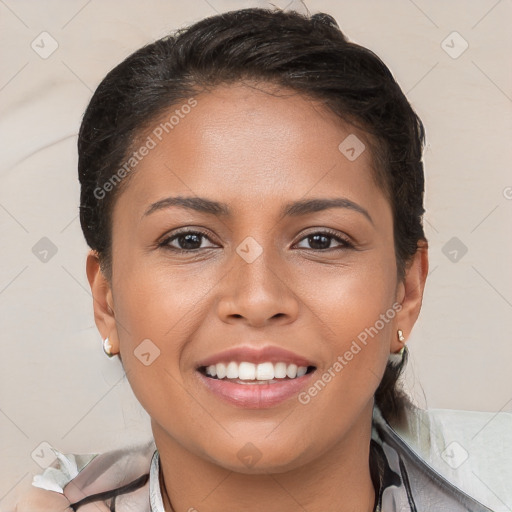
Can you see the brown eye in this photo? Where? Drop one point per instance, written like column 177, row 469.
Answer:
column 322, row 241
column 185, row 241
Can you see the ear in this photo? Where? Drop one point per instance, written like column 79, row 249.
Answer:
column 103, row 302
column 410, row 293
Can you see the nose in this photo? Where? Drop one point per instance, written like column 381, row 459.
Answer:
column 257, row 293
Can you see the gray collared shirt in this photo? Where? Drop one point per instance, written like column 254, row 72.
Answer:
column 403, row 482
column 127, row 480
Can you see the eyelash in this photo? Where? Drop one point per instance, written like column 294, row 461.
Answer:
column 345, row 244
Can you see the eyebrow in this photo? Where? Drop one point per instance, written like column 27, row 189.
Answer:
column 294, row 209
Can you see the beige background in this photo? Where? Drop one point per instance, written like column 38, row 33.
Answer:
column 56, row 384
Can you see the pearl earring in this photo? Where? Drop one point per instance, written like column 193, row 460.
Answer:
column 107, row 347
column 400, row 334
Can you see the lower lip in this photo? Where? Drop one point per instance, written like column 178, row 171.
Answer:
column 256, row 396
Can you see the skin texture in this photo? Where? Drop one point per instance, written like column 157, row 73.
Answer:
column 256, row 152
column 34, row 499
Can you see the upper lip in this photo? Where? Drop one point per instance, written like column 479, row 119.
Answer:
column 254, row 355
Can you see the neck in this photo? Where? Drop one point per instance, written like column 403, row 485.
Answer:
column 338, row 479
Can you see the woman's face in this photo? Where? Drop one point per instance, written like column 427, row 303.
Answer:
column 268, row 266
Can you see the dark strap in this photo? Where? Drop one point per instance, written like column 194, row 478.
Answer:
column 104, row 496
column 381, row 473
column 407, row 484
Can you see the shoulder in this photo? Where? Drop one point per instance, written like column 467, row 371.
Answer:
column 459, row 460
column 76, row 478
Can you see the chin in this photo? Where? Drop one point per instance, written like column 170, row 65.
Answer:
column 255, row 459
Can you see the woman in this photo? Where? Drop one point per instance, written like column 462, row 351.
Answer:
column 252, row 193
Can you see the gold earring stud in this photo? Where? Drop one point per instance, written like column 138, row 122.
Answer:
column 400, row 335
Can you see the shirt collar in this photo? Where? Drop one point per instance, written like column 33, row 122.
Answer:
column 155, row 496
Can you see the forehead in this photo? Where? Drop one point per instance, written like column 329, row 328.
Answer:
column 247, row 143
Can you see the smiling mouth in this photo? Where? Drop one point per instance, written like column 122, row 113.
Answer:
column 254, row 374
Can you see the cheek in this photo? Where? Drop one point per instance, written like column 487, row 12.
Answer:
column 355, row 313
column 159, row 303
column 358, row 309
column 346, row 300
column 158, row 310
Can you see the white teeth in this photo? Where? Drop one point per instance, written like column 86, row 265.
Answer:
column 280, row 370
column 301, row 370
column 232, row 371
column 247, row 371
column 291, row 371
column 221, row 370
column 250, row 371
column 265, row 371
